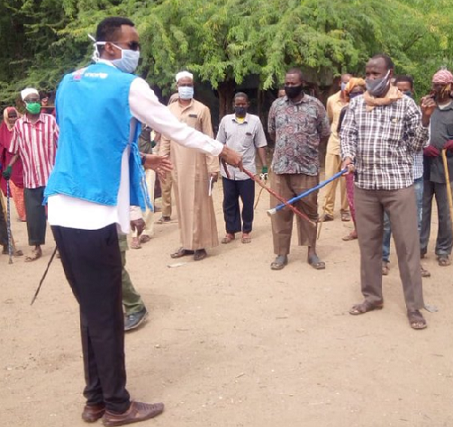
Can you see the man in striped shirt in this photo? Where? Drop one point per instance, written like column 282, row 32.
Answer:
column 35, row 142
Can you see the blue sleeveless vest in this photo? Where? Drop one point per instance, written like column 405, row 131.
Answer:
column 94, row 117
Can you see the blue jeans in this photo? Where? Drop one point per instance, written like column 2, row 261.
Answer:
column 418, row 188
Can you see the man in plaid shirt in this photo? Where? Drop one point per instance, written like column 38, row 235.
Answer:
column 381, row 132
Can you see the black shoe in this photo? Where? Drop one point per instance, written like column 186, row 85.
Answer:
column 134, row 320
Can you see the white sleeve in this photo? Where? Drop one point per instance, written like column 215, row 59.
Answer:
column 146, row 107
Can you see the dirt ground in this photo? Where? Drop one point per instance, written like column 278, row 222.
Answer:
column 231, row 343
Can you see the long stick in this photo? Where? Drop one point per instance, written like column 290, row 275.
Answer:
column 44, row 276
column 8, row 224
column 447, row 181
column 280, row 198
column 273, row 211
column 5, row 215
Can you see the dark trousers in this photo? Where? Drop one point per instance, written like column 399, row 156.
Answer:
column 232, row 191
column 444, row 239
column 92, row 264
column 36, row 215
column 402, row 211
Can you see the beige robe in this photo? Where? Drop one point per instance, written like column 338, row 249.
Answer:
column 191, row 173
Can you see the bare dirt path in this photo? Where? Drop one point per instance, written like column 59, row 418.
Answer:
column 231, row 343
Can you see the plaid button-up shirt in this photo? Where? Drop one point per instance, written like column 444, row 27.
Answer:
column 382, row 143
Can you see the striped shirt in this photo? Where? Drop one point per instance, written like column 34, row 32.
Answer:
column 382, row 143
column 36, row 144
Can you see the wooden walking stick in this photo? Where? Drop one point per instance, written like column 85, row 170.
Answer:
column 6, row 214
column 447, row 181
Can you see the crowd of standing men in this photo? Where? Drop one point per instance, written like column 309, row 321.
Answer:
column 91, row 173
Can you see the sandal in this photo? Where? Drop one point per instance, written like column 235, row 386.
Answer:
column 443, row 260
column 416, row 319
column 163, row 220
column 144, row 238
column 345, row 216
column 229, row 237
column 35, row 254
column 326, row 218
column 364, row 307
column 181, row 252
column 199, row 255
column 279, row 262
column 385, row 268
column 246, row 238
column 351, row 236
column 135, row 244
column 316, row 263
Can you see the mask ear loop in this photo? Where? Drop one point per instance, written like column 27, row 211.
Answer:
column 96, row 55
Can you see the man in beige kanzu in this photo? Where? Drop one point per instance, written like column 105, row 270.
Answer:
column 192, row 174
column 335, row 104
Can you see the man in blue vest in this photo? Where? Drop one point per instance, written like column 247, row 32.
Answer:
column 97, row 176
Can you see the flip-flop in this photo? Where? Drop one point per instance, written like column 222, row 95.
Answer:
column 416, row 319
column 316, row 263
column 364, row 307
column 351, row 236
column 229, row 237
column 34, row 256
column 443, row 260
column 181, row 252
column 246, row 238
column 279, row 262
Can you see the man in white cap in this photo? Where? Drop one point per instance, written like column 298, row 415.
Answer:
column 35, row 142
column 193, row 174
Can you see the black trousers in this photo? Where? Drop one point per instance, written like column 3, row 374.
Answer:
column 232, row 191
column 36, row 215
column 92, row 264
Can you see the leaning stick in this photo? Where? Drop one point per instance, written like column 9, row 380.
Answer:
column 279, row 198
column 447, row 180
column 273, row 211
column 8, row 228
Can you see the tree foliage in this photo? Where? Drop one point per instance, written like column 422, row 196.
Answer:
column 225, row 41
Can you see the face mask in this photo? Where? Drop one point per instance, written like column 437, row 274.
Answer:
column 33, row 107
column 293, row 91
column 377, row 87
column 240, row 111
column 343, row 86
column 128, row 62
column 185, row 92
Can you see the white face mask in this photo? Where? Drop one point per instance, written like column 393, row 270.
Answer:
column 185, row 92
column 128, row 62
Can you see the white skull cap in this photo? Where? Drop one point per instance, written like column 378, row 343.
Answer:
column 183, row 74
column 28, row 91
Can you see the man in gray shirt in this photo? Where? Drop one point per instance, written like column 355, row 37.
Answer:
column 244, row 133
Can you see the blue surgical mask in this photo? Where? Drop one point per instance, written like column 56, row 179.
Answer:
column 185, row 92
column 128, row 62
column 343, row 86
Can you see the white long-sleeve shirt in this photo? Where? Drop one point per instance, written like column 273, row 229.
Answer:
column 71, row 212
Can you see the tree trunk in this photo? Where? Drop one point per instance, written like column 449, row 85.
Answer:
column 226, row 96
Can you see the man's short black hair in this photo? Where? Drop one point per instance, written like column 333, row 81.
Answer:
column 241, row 95
column 107, row 28
column 297, row 71
column 388, row 61
column 405, row 78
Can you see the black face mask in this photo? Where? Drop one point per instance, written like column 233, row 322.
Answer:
column 293, row 91
column 240, row 111
column 353, row 95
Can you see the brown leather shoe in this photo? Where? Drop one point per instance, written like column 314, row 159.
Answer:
column 91, row 413
column 138, row 411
